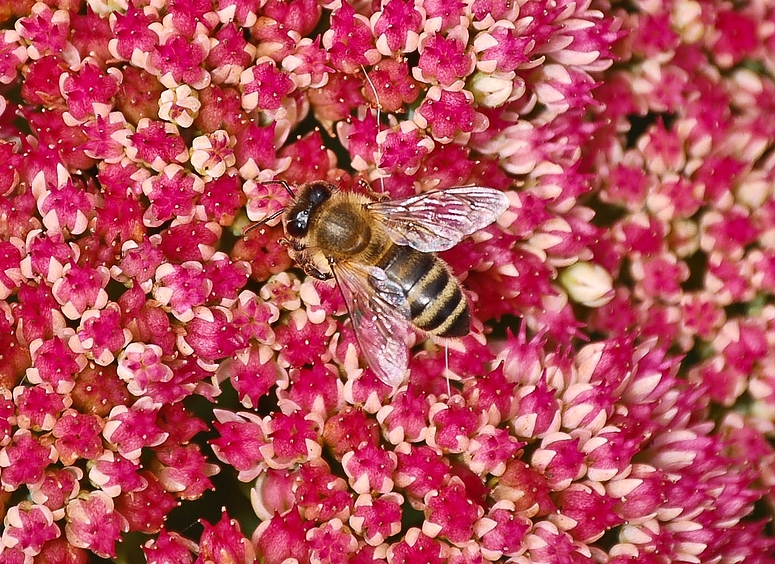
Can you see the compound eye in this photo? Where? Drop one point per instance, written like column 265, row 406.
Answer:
column 319, row 194
column 298, row 224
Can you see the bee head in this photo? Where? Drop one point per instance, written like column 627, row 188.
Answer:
column 310, row 197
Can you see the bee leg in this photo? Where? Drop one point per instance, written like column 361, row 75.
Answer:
column 446, row 369
column 315, row 273
column 299, row 253
column 292, row 245
column 378, row 119
column 366, row 187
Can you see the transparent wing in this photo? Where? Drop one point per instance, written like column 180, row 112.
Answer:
column 380, row 316
column 437, row 221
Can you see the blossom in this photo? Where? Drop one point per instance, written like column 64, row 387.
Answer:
column 146, row 507
column 614, row 398
column 28, row 527
column 94, row 524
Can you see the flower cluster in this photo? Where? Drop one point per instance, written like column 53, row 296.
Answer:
column 624, row 293
column 686, row 169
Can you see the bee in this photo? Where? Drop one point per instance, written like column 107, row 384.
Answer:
column 382, row 255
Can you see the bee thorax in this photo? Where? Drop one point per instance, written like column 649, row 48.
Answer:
column 343, row 231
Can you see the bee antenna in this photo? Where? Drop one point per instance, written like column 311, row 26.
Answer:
column 379, row 117
column 278, row 213
column 257, row 224
column 284, row 185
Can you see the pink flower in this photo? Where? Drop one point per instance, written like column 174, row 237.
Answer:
column 46, row 31
column 224, row 542
column 90, row 35
column 281, row 537
column 29, row 527
column 377, row 519
column 370, row 468
column 210, row 336
column 179, row 105
column 184, row 287
column 178, row 61
column 293, row 439
column 191, row 16
column 417, row 545
column 301, row 341
column 221, row 198
column 451, row 513
column 37, row 408
column 736, row 37
column 11, row 272
column 240, row 443
column 138, row 96
column 264, row 86
column 141, row 364
column 77, row 436
column 230, row 56
column 156, row 144
column 491, row 450
column 133, row 38
column 320, row 495
column 316, row 389
column 420, row 470
column 254, row 373
column 169, row 547
column 65, row 206
column 171, row 239
column 501, row 533
column 406, row 418
column 255, row 150
column 172, row 194
column 183, row 471
column 397, row 27
column 116, row 474
column 54, row 363
column 131, row 429
column 350, row 41
column 211, row 155
column 13, row 54
column 273, row 493
column 88, row 93
column 406, row 146
column 614, row 398
column 448, row 113
column 101, row 334
column 452, row 424
column 332, row 542
column 93, row 523
column 394, row 87
column 101, row 134
column 145, row 509
column 443, row 60
column 502, row 49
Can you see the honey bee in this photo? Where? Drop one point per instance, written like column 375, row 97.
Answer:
column 382, row 255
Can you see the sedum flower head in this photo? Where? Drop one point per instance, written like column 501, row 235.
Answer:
column 173, row 388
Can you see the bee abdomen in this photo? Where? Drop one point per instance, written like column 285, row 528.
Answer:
column 436, row 301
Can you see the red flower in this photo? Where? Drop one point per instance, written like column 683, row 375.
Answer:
column 613, row 401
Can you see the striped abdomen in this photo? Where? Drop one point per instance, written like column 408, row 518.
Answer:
column 436, row 301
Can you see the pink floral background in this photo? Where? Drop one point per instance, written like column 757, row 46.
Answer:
column 174, row 392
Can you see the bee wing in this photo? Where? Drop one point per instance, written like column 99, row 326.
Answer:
column 437, row 221
column 380, row 316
